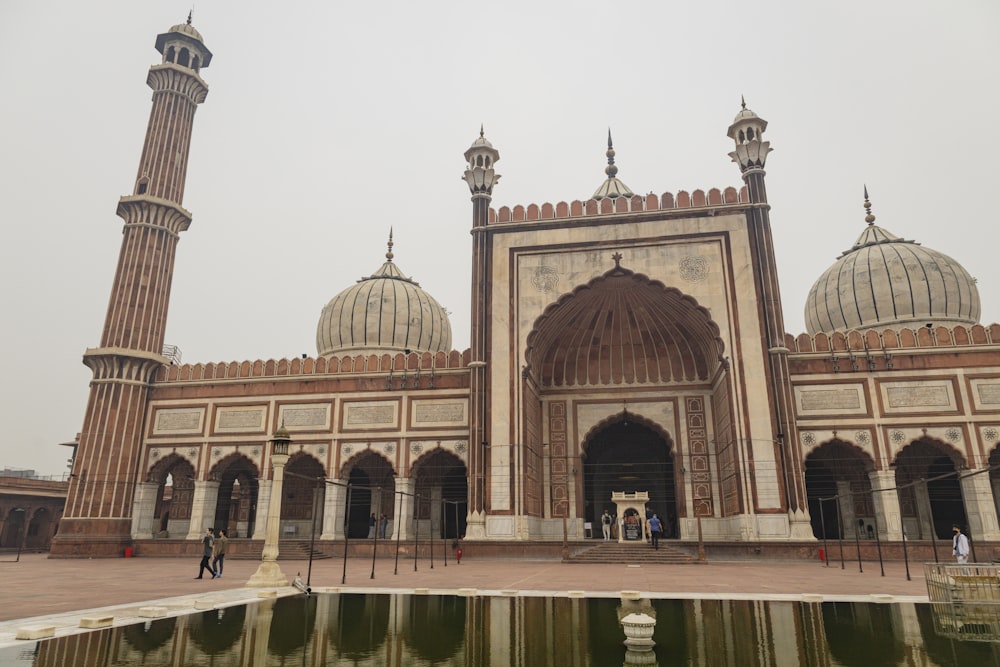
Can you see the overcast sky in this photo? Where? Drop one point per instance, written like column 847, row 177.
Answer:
column 328, row 122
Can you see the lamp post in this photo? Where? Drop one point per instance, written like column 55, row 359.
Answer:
column 269, row 574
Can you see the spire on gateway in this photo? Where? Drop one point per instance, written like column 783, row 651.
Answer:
column 612, row 188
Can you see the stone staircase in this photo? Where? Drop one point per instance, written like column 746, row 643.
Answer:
column 287, row 550
column 633, row 554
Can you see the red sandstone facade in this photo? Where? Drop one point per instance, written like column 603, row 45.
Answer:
column 622, row 343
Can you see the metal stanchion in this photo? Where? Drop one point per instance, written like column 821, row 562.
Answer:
column 840, row 536
column 857, row 542
column 312, row 536
column 347, row 530
column 395, row 525
column 377, row 527
column 822, row 521
column 878, row 544
column 416, row 529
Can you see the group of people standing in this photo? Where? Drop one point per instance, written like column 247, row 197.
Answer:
column 657, row 529
column 213, row 553
column 382, row 523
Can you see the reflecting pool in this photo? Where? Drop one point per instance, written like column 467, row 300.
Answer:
column 425, row 630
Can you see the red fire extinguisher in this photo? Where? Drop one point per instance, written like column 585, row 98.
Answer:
column 458, row 551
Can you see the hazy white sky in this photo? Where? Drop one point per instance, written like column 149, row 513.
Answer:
column 328, row 122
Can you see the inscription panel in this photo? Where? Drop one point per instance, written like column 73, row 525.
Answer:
column 363, row 415
column 305, row 417
column 170, row 421
column 830, row 400
column 240, row 419
column 926, row 396
column 986, row 394
column 440, row 413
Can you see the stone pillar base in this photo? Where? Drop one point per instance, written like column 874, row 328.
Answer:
column 475, row 526
column 268, row 575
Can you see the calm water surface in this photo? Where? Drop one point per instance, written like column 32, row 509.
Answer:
column 421, row 631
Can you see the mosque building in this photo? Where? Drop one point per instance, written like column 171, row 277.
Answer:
column 623, row 344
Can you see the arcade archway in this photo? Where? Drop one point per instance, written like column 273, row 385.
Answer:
column 371, row 490
column 930, row 495
column 441, row 487
column 236, row 504
column 630, row 454
column 839, row 471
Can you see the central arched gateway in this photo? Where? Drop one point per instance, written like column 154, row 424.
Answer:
column 629, row 454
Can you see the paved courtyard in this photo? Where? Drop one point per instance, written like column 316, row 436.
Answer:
column 38, row 590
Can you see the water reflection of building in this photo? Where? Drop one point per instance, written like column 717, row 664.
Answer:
column 620, row 342
column 396, row 631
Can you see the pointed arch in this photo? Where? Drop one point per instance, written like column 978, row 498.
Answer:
column 441, row 493
column 629, row 452
column 174, row 476
column 930, row 494
column 371, row 490
column 838, row 488
column 621, row 328
column 236, row 502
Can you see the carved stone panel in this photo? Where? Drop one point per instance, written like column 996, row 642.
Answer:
column 177, row 421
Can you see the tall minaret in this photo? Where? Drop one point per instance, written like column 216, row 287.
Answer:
column 747, row 131
column 97, row 519
column 481, row 177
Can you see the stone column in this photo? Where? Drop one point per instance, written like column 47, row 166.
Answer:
column 334, row 506
column 979, row 508
column 925, row 526
column 846, row 503
column 886, row 501
column 404, row 486
column 263, row 502
column 204, row 499
column 143, row 509
column 435, row 517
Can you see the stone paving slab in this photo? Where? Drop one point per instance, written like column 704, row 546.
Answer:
column 39, row 590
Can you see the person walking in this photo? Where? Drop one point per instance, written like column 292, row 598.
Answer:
column 371, row 526
column 655, row 528
column 221, row 547
column 606, row 525
column 960, row 545
column 383, row 523
column 207, row 546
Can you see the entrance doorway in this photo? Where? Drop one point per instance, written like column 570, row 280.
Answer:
column 629, row 455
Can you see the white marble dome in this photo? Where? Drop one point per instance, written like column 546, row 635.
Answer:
column 385, row 312
column 884, row 281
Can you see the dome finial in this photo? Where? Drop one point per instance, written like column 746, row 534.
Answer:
column 388, row 253
column 869, row 218
column 190, row 12
column 611, row 170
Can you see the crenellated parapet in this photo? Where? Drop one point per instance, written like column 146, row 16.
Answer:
column 636, row 204
column 895, row 339
column 414, row 362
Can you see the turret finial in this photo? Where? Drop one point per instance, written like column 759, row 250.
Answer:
column 869, row 218
column 743, row 102
column 189, row 15
column 482, row 133
column 388, row 253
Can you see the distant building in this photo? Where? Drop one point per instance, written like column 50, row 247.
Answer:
column 30, row 509
column 620, row 343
